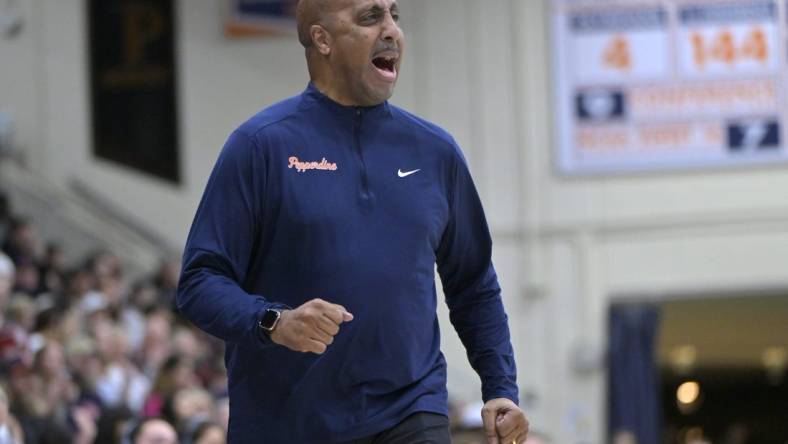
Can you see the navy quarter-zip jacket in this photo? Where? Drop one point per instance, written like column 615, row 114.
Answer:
column 354, row 205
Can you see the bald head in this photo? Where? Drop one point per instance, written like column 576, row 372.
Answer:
column 313, row 12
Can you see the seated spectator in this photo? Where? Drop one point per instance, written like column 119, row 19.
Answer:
column 103, row 264
column 53, row 325
column 15, row 334
column 78, row 282
column 46, row 401
column 84, row 363
column 5, row 216
column 166, row 281
column 10, row 430
column 121, row 383
column 156, row 344
column 52, row 269
column 152, row 431
column 7, row 276
column 27, row 279
column 21, row 244
column 221, row 412
column 145, row 297
column 176, row 374
column 191, row 406
column 207, row 432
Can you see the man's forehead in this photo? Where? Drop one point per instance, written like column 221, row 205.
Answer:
column 367, row 4
column 310, row 11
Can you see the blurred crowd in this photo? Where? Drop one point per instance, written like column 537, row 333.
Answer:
column 89, row 356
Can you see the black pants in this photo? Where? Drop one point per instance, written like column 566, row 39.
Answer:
column 418, row 428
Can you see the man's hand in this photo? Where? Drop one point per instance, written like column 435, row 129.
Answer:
column 310, row 327
column 504, row 422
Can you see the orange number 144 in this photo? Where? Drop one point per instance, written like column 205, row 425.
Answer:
column 724, row 49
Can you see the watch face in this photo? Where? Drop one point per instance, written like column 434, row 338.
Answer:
column 269, row 319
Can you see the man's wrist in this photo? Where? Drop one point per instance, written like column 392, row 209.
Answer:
column 499, row 395
column 270, row 319
column 268, row 322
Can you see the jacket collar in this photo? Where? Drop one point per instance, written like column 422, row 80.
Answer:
column 313, row 96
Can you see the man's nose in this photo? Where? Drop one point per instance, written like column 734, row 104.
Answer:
column 391, row 30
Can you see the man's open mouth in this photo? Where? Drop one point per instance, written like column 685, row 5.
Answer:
column 387, row 66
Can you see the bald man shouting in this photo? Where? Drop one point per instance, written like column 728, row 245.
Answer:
column 313, row 249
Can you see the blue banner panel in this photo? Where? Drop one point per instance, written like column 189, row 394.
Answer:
column 260, row 17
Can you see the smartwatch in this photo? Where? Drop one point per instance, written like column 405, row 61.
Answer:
column 269, row 320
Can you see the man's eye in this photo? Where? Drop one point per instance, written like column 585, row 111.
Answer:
column 395, row 16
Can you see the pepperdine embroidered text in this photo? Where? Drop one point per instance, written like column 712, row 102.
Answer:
column 303, row 166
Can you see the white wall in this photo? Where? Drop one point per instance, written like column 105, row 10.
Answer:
column 18, row 86
column 565, row 247
column 595, row 240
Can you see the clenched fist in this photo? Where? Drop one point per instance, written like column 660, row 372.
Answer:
column 310, row 327
column 504, row 422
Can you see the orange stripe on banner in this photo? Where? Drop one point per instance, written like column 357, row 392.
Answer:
column 241, row 30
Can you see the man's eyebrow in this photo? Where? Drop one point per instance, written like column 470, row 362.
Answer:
column 374, row 8
column 377, row 9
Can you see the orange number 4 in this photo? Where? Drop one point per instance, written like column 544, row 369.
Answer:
column 617, row 55
column 755, row 46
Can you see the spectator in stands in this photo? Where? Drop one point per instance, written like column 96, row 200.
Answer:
column 27, row 278
column 176, row 373
column 14, row 335
column 190, row 403
column 53, row 324
column 121, row 384
column 207, row 433
column 10, row 430
column 166, row 281
column 84, row 363
column 21, row 244
column 5, row 216
column 7, row 276
column 52, row 269
column 156, row 346
column 103, row 263
column 78, row 282
column 191, row 407
column 185, row 341
column 114, row 288
column 47, row 404
column 144, row 297
column 56, row 388
column 221, row 412
column 152, row 431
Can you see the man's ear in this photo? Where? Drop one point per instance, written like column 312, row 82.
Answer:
column 321, row 39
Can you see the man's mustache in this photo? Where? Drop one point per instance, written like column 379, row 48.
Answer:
column 387, row 47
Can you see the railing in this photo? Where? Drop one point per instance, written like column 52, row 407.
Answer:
column 80, row 220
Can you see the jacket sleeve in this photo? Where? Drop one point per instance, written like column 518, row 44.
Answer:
column 471, row 288
column 217, row 254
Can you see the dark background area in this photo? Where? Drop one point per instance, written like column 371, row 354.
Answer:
column 729, row 398
column 132, row 66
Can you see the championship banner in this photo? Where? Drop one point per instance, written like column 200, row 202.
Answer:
column 134, row 84
column 252, row 18
column 669, row 84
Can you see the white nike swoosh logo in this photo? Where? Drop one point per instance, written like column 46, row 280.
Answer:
column 400, row 173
